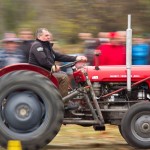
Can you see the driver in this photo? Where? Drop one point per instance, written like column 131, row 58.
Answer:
column 43, row 55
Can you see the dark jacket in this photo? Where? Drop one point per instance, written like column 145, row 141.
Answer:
column 42, row 54
column 25, row 46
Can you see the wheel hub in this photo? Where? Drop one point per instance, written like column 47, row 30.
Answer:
column 142, row 126
column 145, row 127
column 23, row 111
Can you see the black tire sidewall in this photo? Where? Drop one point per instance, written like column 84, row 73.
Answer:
column 52, row 102
column 126, row 125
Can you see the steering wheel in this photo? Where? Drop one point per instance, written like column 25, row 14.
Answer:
column 70, row 64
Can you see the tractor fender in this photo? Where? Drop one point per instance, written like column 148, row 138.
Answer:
column 26, row 66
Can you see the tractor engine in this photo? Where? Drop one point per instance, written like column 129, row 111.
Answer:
column 139, row 92
column 115, row 105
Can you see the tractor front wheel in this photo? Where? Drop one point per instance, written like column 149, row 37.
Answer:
column 135, row 126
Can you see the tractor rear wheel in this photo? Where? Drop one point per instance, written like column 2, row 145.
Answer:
column 135, row 125
column 31, row 109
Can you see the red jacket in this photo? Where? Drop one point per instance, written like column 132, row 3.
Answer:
column 112, row 54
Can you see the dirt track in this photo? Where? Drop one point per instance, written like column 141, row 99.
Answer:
column 73, row 137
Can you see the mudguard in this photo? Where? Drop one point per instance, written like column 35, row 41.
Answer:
column 26, row 66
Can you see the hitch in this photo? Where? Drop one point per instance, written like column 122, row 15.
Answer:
column 72, row 95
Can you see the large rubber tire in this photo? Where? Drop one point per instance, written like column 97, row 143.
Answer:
column 23, row 94
column 120, row 131
column 135, row 125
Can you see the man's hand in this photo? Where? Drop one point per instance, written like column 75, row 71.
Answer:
column 55, row 68
column 81, row 58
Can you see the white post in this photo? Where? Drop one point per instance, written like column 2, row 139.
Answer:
column 129, row 53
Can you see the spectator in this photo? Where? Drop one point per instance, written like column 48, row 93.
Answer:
column 90, row 44
column 112, row 53
column 147, row 41
column 10, row 54
column 26, row 37
column 103, row 37
column 122, row 37
column 85, row 36
column 140, row 52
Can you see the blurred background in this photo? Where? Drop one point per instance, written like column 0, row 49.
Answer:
column 65, row 19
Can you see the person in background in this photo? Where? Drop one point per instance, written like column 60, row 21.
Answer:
column 26, row 36
column 103, row 37
column 140, row 52
column 43, row 55
column 112, row 53
column 90, row 44
column 147, row 40
column 10, row 54
column 122, row 37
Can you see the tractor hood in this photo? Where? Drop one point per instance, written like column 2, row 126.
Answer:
column 117, row 73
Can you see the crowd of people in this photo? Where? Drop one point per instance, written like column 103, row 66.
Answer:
column 15, row 49
column 112, row 48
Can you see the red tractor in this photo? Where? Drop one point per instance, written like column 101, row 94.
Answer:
column 32, row 109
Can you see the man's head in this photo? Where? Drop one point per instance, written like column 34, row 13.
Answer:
column 115, row 38
column 10, row 41
column 43, row 34
column 25, row 34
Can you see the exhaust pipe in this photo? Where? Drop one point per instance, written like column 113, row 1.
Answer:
column 129, row 53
